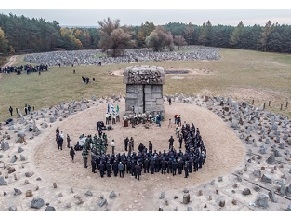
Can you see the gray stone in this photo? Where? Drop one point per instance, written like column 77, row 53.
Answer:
column 189, row 209
column 21, row 158
column 17, row 192
column 79, row 200
column 221, row 203
column 21, row 134
column 257, row 173
column 266, row 178
column 89, row 193
column 263, row 149
column 13, row 159
column 102, row 202
column 38, row 179
column 273, row 197
column 37, row 203
column 112, row 194
column 186, row 198
column 246, row 192
column 274, row 126
column 44, row 125
column 271, row 159
column 4, row 146
column 55, row 185
column 52, row 119
column 20, row 150
column 28, row 193
column 12, row 208
column 220, row 179
column 29, row 173
column 162, row 195
column 262, row 201
column 50, row 208
column 10, row 169
column 283, row 189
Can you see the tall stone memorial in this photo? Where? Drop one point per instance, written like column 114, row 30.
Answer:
column 144, row 90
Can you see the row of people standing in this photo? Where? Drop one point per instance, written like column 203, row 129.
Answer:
column 27, row 110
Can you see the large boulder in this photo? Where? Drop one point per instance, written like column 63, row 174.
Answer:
column 4, row 146
column 2, row 181
column 266, row 178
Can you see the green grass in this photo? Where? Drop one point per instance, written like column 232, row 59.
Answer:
column 243, row 75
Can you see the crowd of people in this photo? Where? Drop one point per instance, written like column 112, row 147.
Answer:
column 144, row 158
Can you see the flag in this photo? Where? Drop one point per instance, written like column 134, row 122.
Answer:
column 117, row 108
column 112, row 109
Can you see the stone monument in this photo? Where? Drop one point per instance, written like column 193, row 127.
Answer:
column 144, row 90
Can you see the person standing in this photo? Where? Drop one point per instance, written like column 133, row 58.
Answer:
column 132, row 143
column 60, row 143
column 180, row 140
column 68, row 141
column 72, row 153
column 171, row 143
column 112, row 147
column 137, row 171
column 186, row 170
column 25, row 109
column 108, row 169
column 150, row 147
column 121, row 169
column 11, row 110
column 101, row 169
column 125, row 143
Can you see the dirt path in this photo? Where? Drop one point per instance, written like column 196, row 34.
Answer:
column 11, row 61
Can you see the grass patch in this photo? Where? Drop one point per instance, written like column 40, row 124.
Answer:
column 244, row 75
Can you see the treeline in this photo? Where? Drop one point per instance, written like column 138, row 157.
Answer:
column 24, row 35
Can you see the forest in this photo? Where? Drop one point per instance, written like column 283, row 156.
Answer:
column 19, row 34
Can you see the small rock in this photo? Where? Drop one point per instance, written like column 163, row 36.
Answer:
column 219, row 179
column 68, row 205
column 20, row 150
column 102, row 202
column 37, row 203
column 50, row 208
column 28, row 193
column 288, row 208
column 246, row 192
column 221, row 203
column 79, row 200
column 234, row 186
column 257, row 173
column 175, row 197
column 38, row 179
column 60, row 194
column 36, row 188
column 10, row 169
column 234, row 202
column 55, row 185
column 186, row 190
column 212, row 182
column 17, row 192
column 162, row 195
column 88, row 193
column 72, row 190
column 26, row 182
column 257, row 188
column 262, row 201
column 161, row 209
column 239, row 179
column 15, row 177
column 21, row 158
column 29, row 173
column 166, row 202
column 189, row 209
column 112, row 194
column 272, row 196
column 12, row 208
column 200, row 193
column 266, row 178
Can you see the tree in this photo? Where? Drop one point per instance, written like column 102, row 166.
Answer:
column 113, row 39
column 205, row 36
column 237, row 35
column 144, row 31
column 179, row 40
column 264, row 38
column 3, row 42
column 160, row 39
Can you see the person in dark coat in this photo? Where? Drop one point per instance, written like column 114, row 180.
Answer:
column 132, row 168
column 174, row 166
column 72, row 153
column 108, row 169
column 171, row 143
column 11, row 110
column 163, row 164
column 93, row 163
column 146, row 165
column 180, row 140
column 150, row 147
column 186, row 170
column 152, row 164
column 68, row 141
column 128, row 166
column 60, row 143
column 137, row 171
column 121, row 169
column 180, row 166
column 115, row 168
column 196, row 166
column 126, row 140
column 101, row 169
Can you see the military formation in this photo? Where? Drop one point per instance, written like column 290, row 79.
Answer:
column 145, row 159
